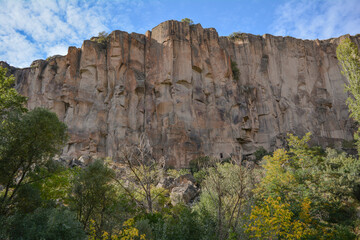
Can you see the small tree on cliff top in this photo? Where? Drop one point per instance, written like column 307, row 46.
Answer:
column 187, row 20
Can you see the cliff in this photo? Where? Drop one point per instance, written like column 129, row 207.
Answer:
column 180, row 85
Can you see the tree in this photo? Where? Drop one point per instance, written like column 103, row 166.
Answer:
column 95, row 198
column 142, row 176
column 44, row 223
column 187, row 20
column 129, row 232
column 10, row 100
column 327, row 179
column 102, row 38
column 273, row 220
column 226, row 190
column 28, row 140
column 349, row 59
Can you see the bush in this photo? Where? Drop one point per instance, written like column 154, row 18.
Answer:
column 178, row 223
column 198, row 163
column 348, row 144
column 260, row 153
column 235, row 70
column 187, row 20
column 54, row 223
column 177, row 173
column 236, row 35
column 102, row 38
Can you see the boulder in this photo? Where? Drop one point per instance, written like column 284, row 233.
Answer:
column 185, row 193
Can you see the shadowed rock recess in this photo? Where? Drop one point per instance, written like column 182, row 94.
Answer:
column 176, row 83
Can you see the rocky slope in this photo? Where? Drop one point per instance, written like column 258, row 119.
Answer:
column 178, row 85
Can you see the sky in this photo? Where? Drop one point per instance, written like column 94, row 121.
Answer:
column 37, row 29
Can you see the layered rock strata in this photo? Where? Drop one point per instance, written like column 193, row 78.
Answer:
column 192, row 92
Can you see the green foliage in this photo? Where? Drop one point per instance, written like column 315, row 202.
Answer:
column 102, row 38
column 28, row 139
column 200, row 175
column 128, row 232
column 10, row 100
column 187, row 20
column 94, row 196
column 27, row 199
column 53, row 223
column 327, row 179
column 56, row 184
column 235, row 70
column 199, row 163
column 348, row 144
column 236, row 35
column 226, row 191
column 260, row 153
column 349, row 59
column 179, row 222
column 177, row 173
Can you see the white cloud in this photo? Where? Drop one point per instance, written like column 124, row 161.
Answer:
column 57, row 50
column 40, row 28
column 317, row 19
column 15, row 48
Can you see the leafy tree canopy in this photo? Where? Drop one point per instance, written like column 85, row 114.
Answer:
column 10, row 100
column 349, row 59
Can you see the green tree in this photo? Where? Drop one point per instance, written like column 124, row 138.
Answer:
column 44, row 223
column 349, row 59
column 226, row 191
column 28, row 140
column 10, row 100
column 180, row 224
column 55, row 182
column 187, row 20
column 102, row 38
column 95, row 198
column 328, row 179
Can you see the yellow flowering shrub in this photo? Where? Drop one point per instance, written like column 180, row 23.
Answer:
column 129, row 232
column 273, row 220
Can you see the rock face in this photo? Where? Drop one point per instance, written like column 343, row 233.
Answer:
column 176, row 84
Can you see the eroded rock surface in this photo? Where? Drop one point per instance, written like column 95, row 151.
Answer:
column 176, row 84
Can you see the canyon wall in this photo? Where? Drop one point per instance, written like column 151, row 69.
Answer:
column 178, row 84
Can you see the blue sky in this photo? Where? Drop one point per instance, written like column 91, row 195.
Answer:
column 36, row 29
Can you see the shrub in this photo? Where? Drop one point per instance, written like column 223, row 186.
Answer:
column 236, row 35
column 102, row 38
column 235, row 70
column 260, row 153
column 53, row 223
column 177, row 173
column 198, row 163
column 187, row 20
